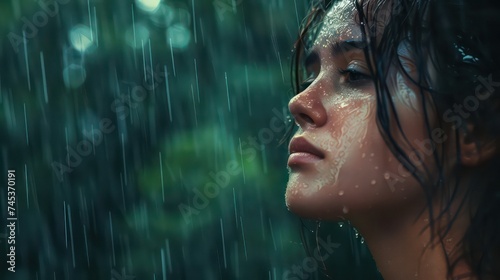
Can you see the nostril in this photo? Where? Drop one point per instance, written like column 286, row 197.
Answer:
column 306, row 118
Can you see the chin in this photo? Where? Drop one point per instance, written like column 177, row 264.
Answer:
column 316, row 206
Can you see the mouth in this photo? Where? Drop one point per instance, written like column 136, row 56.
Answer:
column 302, row 152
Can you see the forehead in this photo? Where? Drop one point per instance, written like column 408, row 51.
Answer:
column 339, row 24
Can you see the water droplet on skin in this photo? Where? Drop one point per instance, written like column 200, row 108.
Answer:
column 376, row 167
column 357, row 186
column 363, row 155
column 372, row 154
column 374, row 182
column 341, row 193
column 345, row 210
column 387, row 176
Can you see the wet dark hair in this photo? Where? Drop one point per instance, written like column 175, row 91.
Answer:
column 460, row 39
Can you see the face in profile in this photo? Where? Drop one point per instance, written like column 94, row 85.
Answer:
column 339, row 164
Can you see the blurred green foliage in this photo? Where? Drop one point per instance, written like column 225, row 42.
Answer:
column 116, row 210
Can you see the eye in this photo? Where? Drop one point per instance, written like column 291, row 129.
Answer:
column 353, row 76
column 305, row 84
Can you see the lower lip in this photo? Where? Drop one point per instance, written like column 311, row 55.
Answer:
column 302, row 158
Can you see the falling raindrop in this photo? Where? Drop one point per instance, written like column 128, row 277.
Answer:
column 44, row 77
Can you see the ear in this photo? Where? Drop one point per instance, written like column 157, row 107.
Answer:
column 474, row 151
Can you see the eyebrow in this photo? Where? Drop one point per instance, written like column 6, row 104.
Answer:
column 339, row 47
column 347, row 46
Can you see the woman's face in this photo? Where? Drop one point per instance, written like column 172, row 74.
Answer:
column 339, row 164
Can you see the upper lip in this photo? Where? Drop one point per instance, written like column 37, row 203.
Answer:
column 301, row 145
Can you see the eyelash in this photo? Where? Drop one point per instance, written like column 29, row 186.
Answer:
column 305, row 84
column 346, row 73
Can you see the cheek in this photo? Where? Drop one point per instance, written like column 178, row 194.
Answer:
column 347, row 135
column 367, row 175
column 361, row 159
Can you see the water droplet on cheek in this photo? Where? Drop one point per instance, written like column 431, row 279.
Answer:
column 374, row 182
column 387, row 176
column 345, row 210
column 341, row 193
column 363, row 155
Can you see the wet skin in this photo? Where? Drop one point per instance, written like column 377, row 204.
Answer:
column 336, row 113
column 341, row 168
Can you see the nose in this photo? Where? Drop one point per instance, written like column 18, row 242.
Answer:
column 307, row 109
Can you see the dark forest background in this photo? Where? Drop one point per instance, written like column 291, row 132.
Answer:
column 144, row 136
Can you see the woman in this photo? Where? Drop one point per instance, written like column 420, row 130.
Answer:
column 398, row 131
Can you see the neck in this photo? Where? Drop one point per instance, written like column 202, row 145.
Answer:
column 402, row 248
